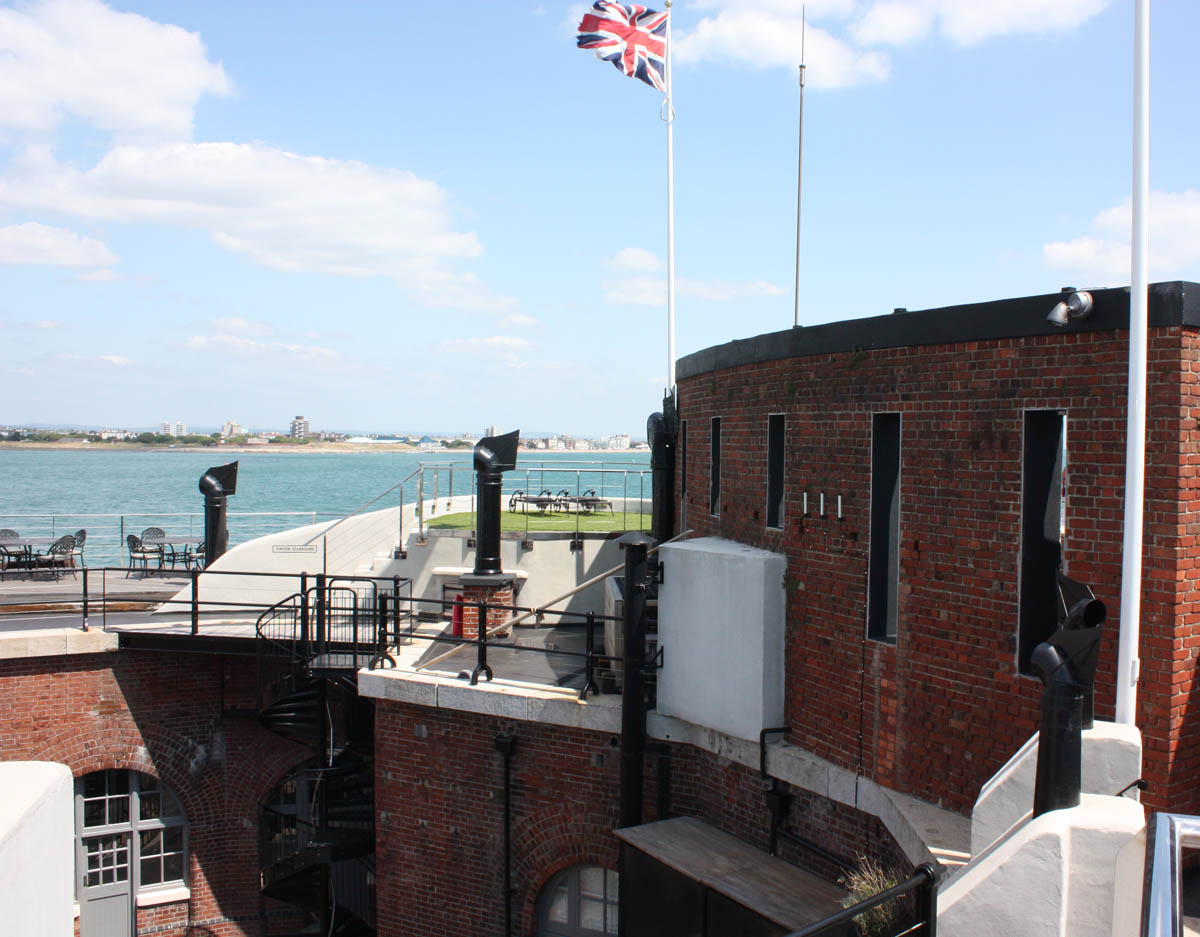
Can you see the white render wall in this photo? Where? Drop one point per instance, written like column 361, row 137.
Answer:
column 721, row 631
column 37, row 843
column 1111, row 759
column 1051, row 876
column 363, row 545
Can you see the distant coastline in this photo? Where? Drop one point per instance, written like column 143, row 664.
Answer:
column 329, row 447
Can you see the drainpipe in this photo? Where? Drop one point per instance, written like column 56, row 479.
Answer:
column 505, row 745
column 633, row 696
column 1060, row 737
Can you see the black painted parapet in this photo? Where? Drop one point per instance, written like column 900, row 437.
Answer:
column 494, row 455
column 216, row 485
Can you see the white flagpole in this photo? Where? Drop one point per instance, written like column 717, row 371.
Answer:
column 799, row 168
column 670, row 118
column 1128, row 663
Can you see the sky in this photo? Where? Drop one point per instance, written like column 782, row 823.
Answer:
column 420, row 216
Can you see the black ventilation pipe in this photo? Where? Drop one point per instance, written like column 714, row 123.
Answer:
column 217, row 484
column 633, row 696
column 1066, row 665
column 661, row 433
column 494, row 455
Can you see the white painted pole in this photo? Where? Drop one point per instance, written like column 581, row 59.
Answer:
column 1128, row 663
column 670, row 118
column 799, row 173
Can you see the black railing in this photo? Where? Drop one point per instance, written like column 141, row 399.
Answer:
column 923, row 921
column 409, row 610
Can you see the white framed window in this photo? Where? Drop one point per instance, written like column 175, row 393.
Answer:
column 131, row 835
column 580, row 901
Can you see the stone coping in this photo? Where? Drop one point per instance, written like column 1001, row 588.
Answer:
column 55, row 642
column 925, row 832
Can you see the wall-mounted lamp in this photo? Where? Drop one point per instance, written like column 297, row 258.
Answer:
column 1077, row 305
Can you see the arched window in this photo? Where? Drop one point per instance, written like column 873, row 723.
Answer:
column 130, row 844
column 579, row 902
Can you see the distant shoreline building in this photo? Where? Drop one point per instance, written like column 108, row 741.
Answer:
column 299, row 428
column 176, row 429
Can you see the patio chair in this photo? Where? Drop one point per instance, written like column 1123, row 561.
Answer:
column 57, row 557
column 140, row 554
column 80, row 539
column 154, row 533
column 518, row 497
column 191, row 556
column 10, row 553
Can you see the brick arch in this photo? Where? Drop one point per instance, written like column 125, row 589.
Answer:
column 556, row 839
column 151, row 752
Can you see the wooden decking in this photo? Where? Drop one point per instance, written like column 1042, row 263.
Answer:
column 782, row 893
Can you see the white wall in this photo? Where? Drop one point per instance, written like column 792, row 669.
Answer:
column 37, row 843
column 1111, row 759
column 364, row 545
column 721, row 630
column 1053, row 876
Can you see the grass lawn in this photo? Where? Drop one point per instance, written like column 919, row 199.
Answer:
column 557, row 520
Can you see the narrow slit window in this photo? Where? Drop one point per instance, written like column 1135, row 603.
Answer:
column 883, row 576
column 775, row 431
column 1042, row 528
column 714, row 470
column 683, row 462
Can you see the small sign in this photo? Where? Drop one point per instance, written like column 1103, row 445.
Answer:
column 293, row 548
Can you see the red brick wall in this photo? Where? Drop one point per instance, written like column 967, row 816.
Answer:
column 939, row 711
column 440, row 809
column 162, row 714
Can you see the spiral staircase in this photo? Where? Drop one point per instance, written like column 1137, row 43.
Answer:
column 317, row 830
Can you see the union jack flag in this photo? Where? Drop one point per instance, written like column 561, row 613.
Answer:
column 628, row 35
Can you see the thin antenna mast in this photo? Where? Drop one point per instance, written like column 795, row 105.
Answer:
column 799, row 168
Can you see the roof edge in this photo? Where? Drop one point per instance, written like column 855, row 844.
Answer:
column 1172, row 303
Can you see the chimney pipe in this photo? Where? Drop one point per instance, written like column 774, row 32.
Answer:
column 216, row 485
column 494, row 455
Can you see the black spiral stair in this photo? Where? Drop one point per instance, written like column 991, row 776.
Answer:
column 317, row 833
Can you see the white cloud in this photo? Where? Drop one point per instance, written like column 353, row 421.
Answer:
column 763, row 34
column 118, row 71
column 46, row 324
column 240, row 345
column 520, row 320
column 97, row 276
column 119, row 361
column 33, row 243
column 504, row 349
column 1103, row 258
column 645, row 287
column 282, row 210
column 636, row 259
column 236, row 325
column 766, row 33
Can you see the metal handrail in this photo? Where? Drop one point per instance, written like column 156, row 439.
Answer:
column 1167, row 835
column 923, row 882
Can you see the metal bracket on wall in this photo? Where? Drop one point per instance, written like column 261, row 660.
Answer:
column 470, row 543
column 576, row 546
column 526, row 545
column 399, row 554
column 658, row 659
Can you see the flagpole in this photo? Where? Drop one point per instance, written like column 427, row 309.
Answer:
column 670, row 118
column 1135, row 431
column 799, row 168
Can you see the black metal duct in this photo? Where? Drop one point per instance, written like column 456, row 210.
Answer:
column 494, row 455
column 1066, row 665
column 661, row 434
column 216, row 485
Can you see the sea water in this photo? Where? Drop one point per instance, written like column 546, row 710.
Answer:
column 113, row 492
